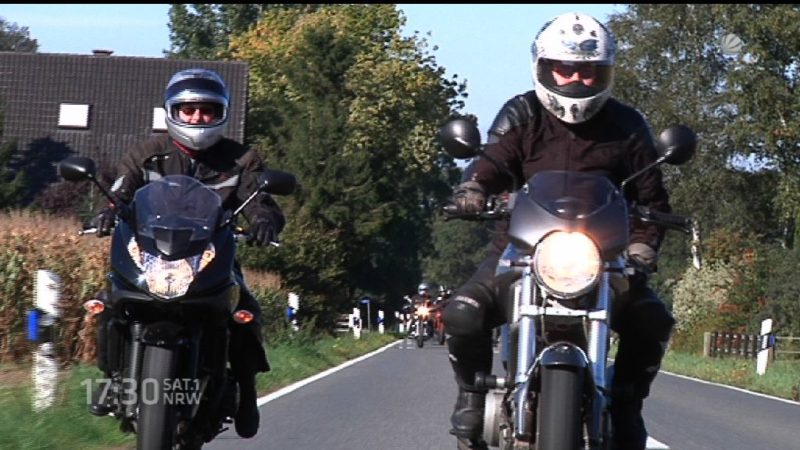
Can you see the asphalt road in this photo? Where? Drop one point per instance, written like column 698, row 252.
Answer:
column 402, row 397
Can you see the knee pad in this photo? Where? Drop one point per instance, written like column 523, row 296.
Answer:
column 644, row 316
column 463, row 316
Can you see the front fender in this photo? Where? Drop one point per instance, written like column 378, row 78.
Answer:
column 163, row 334
column 563, row 354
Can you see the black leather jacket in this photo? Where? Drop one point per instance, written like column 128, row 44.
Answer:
column 228, row 167
column 616, row 142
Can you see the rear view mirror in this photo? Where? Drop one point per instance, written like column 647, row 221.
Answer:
column 460, row 138
column 677, row 144
column 77, row 168
column 277, row 182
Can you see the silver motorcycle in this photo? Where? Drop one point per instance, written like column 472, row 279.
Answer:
column 558, row 278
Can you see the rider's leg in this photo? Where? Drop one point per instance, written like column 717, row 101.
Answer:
column 644, row 325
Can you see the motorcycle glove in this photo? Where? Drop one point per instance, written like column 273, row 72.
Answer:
column 643, row 257
column 105, row 221
column 262, row 232
column 469, row 197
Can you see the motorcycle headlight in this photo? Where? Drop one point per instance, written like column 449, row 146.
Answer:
column 168, row 279
column 567, row 264
column 422, row 311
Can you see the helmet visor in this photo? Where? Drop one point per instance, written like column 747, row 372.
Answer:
column 198, row 113
column 575, row 79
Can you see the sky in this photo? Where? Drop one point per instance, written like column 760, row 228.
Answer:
column 488, row 45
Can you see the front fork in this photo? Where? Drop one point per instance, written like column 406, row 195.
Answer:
column 525, row 313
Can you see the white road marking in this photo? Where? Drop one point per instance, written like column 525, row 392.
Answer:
column 292, row 387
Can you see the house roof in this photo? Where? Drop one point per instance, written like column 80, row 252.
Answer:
column 121, row 92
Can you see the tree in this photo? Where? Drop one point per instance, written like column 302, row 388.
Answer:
column 341, row 99
column 674, row 65
column 730, row 72
column 202, row 31
column 14, row 38
column 13, row 182
column 458, row 248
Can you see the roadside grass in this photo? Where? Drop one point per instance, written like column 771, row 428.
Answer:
column 68, row 424
column 781, row 379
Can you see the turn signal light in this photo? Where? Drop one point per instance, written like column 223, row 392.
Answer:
column 243, row 316
column 94, row 306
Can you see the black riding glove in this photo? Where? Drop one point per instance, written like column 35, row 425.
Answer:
column 105, row 221
column 469, row 197
column 262, row 232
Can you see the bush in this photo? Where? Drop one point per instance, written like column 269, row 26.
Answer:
column 52, row 244
column 696, row 301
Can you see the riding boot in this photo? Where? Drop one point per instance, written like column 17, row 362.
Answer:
column 467, row 418
column 629, row 430
column 100, row 401
column 247, row 416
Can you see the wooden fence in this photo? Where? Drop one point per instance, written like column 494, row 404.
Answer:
column 739, row 345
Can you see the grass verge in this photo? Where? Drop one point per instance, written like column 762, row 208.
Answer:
column 781, row 379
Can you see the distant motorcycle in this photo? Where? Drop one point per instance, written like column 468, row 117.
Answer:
column 172, row 297
column 420, row 328
column 568, row 232
column 438, row 321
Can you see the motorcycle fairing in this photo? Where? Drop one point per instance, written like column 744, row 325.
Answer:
column 557, row 200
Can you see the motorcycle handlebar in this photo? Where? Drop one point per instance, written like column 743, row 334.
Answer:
column 238, row 235
column 673, row 221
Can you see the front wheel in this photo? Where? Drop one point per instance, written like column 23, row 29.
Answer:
column 420, row 333
column 559, row 425
column 157, row 416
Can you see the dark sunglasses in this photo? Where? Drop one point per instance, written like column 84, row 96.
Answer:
column 189, row 110
column 567, row 70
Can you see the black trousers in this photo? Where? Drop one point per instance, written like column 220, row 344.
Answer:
column 642, row 321
column 246, row 350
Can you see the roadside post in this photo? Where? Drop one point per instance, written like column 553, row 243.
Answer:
column 380, row 321
column 367, row 301
column 291, row 310
column 766, row 347
column 42, row 320
column 355, row 322
column 401, row 326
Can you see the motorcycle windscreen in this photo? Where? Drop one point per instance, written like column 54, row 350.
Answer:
column 570, row 201
column 571, row 195
column 178, row 213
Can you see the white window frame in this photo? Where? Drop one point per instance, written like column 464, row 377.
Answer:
column 73, row 115
column 159, row 119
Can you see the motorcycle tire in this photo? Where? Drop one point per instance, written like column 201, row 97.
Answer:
column 157, row 417
column 420, row 334
column 442, row 337
column 559, row 425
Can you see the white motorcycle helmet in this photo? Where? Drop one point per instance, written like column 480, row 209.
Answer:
column 196, row 85
column 573, row 42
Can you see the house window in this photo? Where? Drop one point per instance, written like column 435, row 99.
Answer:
column 159, row 119
column 71, row 115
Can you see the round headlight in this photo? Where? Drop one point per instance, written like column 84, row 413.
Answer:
column 567, row 264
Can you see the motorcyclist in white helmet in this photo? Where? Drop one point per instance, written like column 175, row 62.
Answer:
column 568, row 121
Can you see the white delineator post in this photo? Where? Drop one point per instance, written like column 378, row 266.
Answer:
column 765, row 346
column 47, row 292
column 401, row 325
column 355, row 322
column 294, row 305
column 380, row 321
